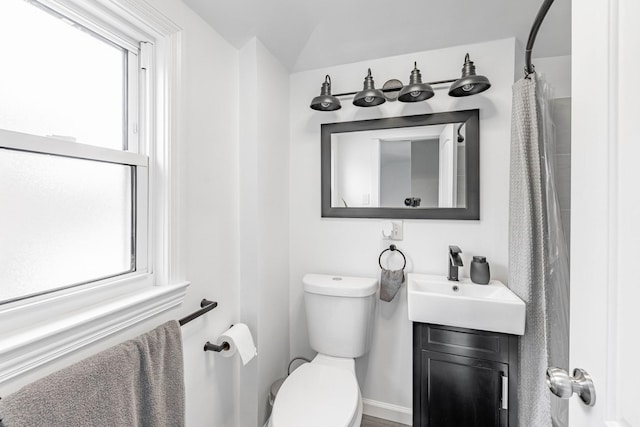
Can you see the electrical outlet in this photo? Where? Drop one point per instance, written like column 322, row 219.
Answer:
column 392, row 230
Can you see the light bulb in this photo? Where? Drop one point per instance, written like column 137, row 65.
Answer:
column 368, row 99
column 325, row 104
column 415, row 93
column 467, row 88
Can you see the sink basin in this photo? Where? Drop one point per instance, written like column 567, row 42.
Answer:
column 491, row 307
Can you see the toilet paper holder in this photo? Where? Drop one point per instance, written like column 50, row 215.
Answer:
column 209, row 346
column 215, row 347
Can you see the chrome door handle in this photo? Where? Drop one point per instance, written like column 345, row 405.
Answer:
column 563, row 386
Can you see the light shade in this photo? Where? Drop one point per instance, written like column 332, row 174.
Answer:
column 325, row 101
column 415, row 91
column 369, row 96
column 469, row 83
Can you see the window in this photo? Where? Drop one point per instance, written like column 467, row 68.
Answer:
column 73, row 176
column 88, row 242
column 60, row 78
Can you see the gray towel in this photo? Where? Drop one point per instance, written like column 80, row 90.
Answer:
column 390, row 282
column 137, row 383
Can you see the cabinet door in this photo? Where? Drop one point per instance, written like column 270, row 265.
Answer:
column 462, row 391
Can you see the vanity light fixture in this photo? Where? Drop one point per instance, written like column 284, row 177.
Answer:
column 369, row 96
column 325, row 101
column 469, row 83
column 415, row 91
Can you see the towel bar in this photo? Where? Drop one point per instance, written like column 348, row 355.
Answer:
column 206, row 307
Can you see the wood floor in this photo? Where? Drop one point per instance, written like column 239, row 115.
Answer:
column 368, row 421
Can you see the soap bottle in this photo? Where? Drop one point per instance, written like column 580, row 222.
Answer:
column 480, row 270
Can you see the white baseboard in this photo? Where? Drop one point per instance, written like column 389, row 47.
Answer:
column 387, row 411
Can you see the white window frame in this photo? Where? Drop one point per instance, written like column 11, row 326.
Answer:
column 37, row 330
column 46, row 145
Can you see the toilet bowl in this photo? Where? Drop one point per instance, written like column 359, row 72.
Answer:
column 325, row 392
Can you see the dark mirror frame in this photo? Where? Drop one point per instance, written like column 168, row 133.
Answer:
column 471, row 211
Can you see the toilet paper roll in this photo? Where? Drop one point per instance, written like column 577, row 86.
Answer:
column 240, row 341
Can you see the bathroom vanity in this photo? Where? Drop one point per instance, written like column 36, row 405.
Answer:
column 465, row 351
column 463, row 377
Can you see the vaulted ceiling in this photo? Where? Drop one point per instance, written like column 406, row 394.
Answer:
column 306, row 35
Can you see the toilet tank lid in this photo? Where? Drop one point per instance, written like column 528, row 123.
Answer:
column 341, row 286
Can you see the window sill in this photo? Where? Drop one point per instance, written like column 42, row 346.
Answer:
column 26, row 349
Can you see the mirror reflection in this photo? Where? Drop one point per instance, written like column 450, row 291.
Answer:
column 415, row 167
column 424, row 166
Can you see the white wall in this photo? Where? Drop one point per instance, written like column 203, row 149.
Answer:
column 556, row 70
column 206, row 156
column 264, row 224
column 208, row 159
column 352, row 246
column 355, row 170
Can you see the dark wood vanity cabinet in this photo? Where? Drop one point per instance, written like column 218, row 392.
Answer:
column 463, row 377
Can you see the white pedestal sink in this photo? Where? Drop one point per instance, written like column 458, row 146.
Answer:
column 491, row 307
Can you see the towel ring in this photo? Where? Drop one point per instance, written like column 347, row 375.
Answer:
column 392, row 248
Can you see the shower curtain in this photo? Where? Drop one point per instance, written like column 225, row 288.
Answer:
column 538, row 260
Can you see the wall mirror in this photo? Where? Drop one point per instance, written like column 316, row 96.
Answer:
column 411, row 167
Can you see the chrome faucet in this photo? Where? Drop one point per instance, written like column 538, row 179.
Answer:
column 454, row 262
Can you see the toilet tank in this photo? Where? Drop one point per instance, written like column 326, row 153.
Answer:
column 340, row 312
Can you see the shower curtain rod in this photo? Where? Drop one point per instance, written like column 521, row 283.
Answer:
column 529, row 68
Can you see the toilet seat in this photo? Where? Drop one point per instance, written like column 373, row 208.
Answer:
column 317, row 395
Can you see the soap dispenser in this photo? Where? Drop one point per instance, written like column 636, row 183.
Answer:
column 479, row 270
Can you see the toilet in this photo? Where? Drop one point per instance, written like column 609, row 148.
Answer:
column 325, row 392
